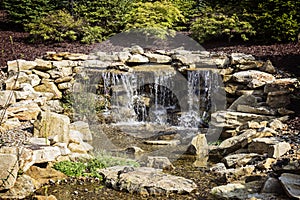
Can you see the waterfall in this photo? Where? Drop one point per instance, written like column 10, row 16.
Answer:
column 160, row 96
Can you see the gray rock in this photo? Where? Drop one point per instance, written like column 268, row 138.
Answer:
column 253, row 78
column 278, row 99
column 291, row 184
column 284, row 84
column 146, row 181
column 136, row 50
column 243, row 100
column 268, row 67
column 159, row 162
column 8, row 170
column 274, row 147
column 238, row 160
column 272, row 185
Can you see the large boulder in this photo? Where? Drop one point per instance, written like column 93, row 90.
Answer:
column 52, row 126
column 146, row 181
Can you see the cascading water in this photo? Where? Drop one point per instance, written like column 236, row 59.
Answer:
column 160, row 97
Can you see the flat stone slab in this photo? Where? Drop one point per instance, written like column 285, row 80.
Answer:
column 291, row 184
column 162, row 142
column 146, row 181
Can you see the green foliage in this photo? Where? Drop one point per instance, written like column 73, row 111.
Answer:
column 89, row 168
column 272, row 20
column 153, row 18
column 75, row 169
column 25, row 11
column 57, row 26
column 107, row 14
column 211, row 24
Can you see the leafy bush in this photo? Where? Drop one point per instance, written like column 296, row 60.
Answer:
column 212, row 24
column 57, row 26
column 109, row 14
column 153, row 18
column 272, row 20
column 25, row 11
column 69, row 168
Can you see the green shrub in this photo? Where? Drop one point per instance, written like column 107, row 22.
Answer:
column 107, row 14
column 213, row 23
column 57, row 26
column 69, row 168
column 153, row 18
column 25, row 11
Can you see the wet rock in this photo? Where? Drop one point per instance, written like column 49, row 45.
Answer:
column 198, row 146
column 52, row 125
column 84, row 129
column 23, row 187
column 238, row 160
column 272, row 185
column 8, row 170
column 291, row 184
column 274, row 147
column 145, row 180
column 159, row 162
column 253, row 78
column 230, row 191
column 158, row 58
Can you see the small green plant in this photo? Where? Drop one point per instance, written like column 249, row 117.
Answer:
column 75, row 169
column 90, row 167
